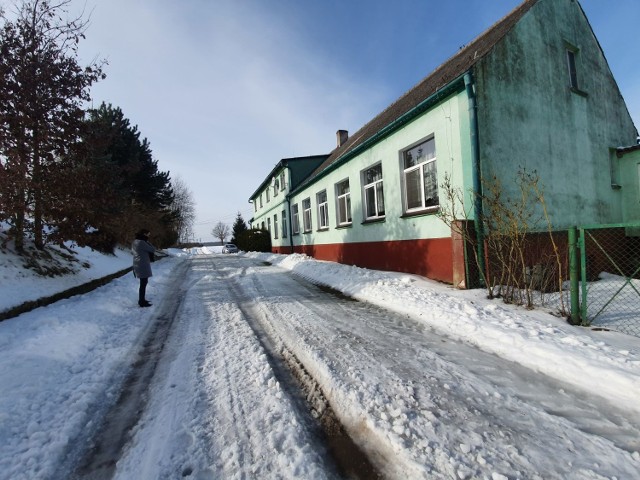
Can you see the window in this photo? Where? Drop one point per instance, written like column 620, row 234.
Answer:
column 343, row 195
column 260, row 200
column 282, row 181
column 306, row 214
column 276, row 186
column 373, row 193
column 421, row 177
column 295, row 219
column 269, row 225
column 284, row 224
column 267, row 193
column 275, row 226
column 255, row 205
column 323, row 210
column 571, row 63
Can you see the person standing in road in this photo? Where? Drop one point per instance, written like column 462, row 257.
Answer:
column 143, row 255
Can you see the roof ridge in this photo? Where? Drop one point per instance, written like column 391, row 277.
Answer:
column 433, row 82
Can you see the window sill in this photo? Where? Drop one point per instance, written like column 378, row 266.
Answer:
column 323, row 229
column 307, row 231
column 374, row 220
column 344, row 225
column 577, row 91
column 421, row 213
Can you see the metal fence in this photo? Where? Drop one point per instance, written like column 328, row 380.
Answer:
column 610, row 277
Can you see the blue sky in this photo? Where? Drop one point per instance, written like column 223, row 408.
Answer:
column 223, row 89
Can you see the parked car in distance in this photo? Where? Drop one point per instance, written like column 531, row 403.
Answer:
column 229, row 248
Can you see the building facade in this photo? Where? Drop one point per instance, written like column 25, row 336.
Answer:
column 533, row 93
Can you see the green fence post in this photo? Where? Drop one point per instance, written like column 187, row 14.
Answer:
column 584, row 320
column 573, row 275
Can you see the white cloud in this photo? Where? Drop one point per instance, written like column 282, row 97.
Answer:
column 222, row 92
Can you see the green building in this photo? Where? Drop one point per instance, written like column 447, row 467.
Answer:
column 533, row 92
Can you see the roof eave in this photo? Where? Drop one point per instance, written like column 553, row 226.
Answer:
column 452, row 87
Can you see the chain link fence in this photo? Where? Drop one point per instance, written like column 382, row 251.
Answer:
column 610, row 277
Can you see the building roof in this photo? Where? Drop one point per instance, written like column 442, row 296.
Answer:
column 283, row 163
column 623, row 150
column 440, row 78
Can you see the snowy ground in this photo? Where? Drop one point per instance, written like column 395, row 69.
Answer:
column 537, row 398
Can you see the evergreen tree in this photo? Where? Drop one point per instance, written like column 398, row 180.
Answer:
column 141, row 194
column 239, row 226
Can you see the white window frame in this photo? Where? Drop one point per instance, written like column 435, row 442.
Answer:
column 284, row 224
column 323, row 210
column 422, row 169
column 282, row 181
column 307, row 224
column 377, row 187
column 275, row 226
column 269, row 225
column 295, row 219
column 276, row 186
column 343, row 204
column 267, row 193
column 260, row 200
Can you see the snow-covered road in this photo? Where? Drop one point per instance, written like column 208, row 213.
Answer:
column 426, row 407
column 422, row 405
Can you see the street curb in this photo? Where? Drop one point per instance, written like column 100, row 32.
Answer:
column 77, row 290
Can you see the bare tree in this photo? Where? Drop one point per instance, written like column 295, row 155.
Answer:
column 183, row 209
column 220, row 231
column 513, row 231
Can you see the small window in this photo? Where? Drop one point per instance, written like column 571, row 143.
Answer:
column 260, row 200
column 420, row 177
column 573, row 73
column 373, row 193
column 284, row 224
column 255, row 205
column 263, row 225
column 323, row 210
column 295, row 219
column 343, row 196
column 267, row 194
column 282, row 183
column 269, row 225
column 276, row 186
column 275, row 226
column 306, row 214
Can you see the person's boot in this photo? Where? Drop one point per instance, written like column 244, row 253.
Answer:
column 144, row 303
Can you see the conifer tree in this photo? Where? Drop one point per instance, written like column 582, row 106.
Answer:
column 239, row 226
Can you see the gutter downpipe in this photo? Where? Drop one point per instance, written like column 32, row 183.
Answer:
column 290, row 226
column 476, row 174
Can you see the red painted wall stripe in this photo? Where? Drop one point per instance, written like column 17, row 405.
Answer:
column 432, row 258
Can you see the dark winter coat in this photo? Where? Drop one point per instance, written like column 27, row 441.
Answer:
column 143, row 255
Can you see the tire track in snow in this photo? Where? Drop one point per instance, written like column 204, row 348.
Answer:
column 461, row 408
column 275, row 437
column 350, row 460
column 105, row 448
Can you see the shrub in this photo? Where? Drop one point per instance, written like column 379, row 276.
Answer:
column 254, row 240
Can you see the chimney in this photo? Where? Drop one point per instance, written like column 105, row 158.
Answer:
column 342, row 136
